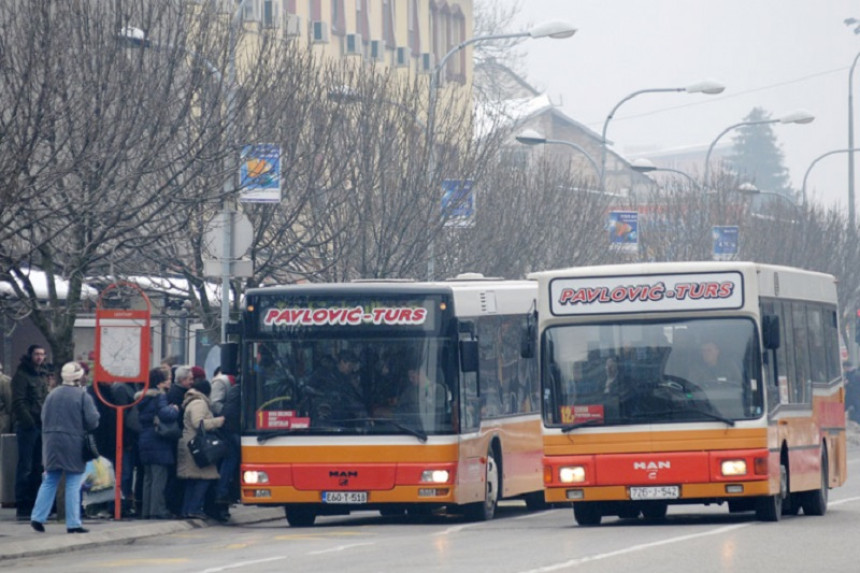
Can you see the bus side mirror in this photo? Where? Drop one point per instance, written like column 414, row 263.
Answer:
column 770, row 331
column 469, row 355
column 527, row 342
column 230, row 358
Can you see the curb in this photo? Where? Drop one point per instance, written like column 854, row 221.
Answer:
column 49, row 544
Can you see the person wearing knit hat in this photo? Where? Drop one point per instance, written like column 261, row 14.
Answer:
column 198, row 373
column 68, row 413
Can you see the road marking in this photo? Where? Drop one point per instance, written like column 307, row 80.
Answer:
column 134, row 562
column 634, row 548
column 243, row 564
column 846, row 500
column 338, row 548
column 455, row 529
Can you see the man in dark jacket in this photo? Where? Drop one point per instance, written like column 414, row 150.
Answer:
column 226, row 492
column 29, row 389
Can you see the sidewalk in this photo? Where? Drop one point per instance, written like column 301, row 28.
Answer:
column 17, row 538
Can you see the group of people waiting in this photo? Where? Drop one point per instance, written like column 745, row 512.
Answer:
column 160, row 479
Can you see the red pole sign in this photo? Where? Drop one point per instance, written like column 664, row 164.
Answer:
column 122, row 354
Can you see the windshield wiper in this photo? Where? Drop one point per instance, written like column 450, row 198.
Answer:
column 662, row 413
column 408, row 429
column 572, row 427
column 263, row 438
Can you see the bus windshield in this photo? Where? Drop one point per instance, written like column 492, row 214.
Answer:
column 351, row 385
column 668, row 371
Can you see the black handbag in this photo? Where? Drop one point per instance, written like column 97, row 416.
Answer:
column 90, row 449
column 167, row 430
column 207, row 448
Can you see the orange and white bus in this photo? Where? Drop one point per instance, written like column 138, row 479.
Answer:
column 690, row 383
column 389, row 395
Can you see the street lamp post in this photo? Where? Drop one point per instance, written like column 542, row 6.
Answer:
column 706, row 87
column 851, row 22
column 136, row 37
column 816, row 160
column 800, row 117
column 531, row 137
column 554, row 30
column 645, row 166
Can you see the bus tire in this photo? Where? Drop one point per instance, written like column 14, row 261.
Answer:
column 392, row 511
column 300, row 516
column 769, row 507
column 535, row 501
column 815, row 502
column 486, row 510
column 655, row 511
column 587, row 513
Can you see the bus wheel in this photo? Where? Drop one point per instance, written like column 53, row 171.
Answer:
column 300, row 516
column 484, row 511
column 815, row 502
column 655, row 511
column 769, row 508
column 629, row 511
column 587, row 513
column 535, row 501
column 392, row 511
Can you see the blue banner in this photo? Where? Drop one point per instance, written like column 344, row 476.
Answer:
column 260, row 173
column 725, row 242
column 458, row 203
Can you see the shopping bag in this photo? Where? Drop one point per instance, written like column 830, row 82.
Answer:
column 90, row 449
column 168, row 430
column 207, row 448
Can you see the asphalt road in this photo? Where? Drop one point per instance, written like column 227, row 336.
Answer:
column 692, row 538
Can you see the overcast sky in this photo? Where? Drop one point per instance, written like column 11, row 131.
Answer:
column 781, row 55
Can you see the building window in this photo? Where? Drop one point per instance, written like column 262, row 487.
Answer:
column 338, row 18
column 388, row 24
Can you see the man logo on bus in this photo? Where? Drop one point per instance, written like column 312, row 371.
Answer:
column 652, row 467
column 343, row 477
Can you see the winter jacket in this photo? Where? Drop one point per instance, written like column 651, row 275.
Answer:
column 152, row 448
column 68, row 414
column 29, row 389
column 220, row 385
column 197, row 409
column 5, row 404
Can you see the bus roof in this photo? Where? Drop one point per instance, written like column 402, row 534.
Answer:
column 767, row 280
column 472, row 296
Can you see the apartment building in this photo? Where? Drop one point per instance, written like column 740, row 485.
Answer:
column 408, row 35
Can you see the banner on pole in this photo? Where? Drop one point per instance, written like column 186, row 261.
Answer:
column 260, row 173
column 458, row 203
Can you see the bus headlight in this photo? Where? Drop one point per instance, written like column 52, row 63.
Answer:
column 571, row 474
column 255, row 477
column 734, row 467
column 434, row 476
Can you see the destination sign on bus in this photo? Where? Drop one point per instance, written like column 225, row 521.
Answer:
column 344, row 316
column 646, row 293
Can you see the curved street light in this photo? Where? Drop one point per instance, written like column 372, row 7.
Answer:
column 708, row 87
column 554, row 30
column 646, row 166
column 799, row 116
column 532, row 137
column 816, row 160
column 856, row 23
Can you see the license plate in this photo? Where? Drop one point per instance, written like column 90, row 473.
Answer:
column 344, row 497
column 658, row 492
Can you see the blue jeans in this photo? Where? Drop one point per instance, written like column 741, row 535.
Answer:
column 195, row 496
column 229, row 469
column 28, row 466
column 48, row 491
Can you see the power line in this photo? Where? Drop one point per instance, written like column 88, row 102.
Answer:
column 712, row 100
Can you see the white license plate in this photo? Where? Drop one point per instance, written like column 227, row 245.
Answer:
column 657, row 492
column 344, row 497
